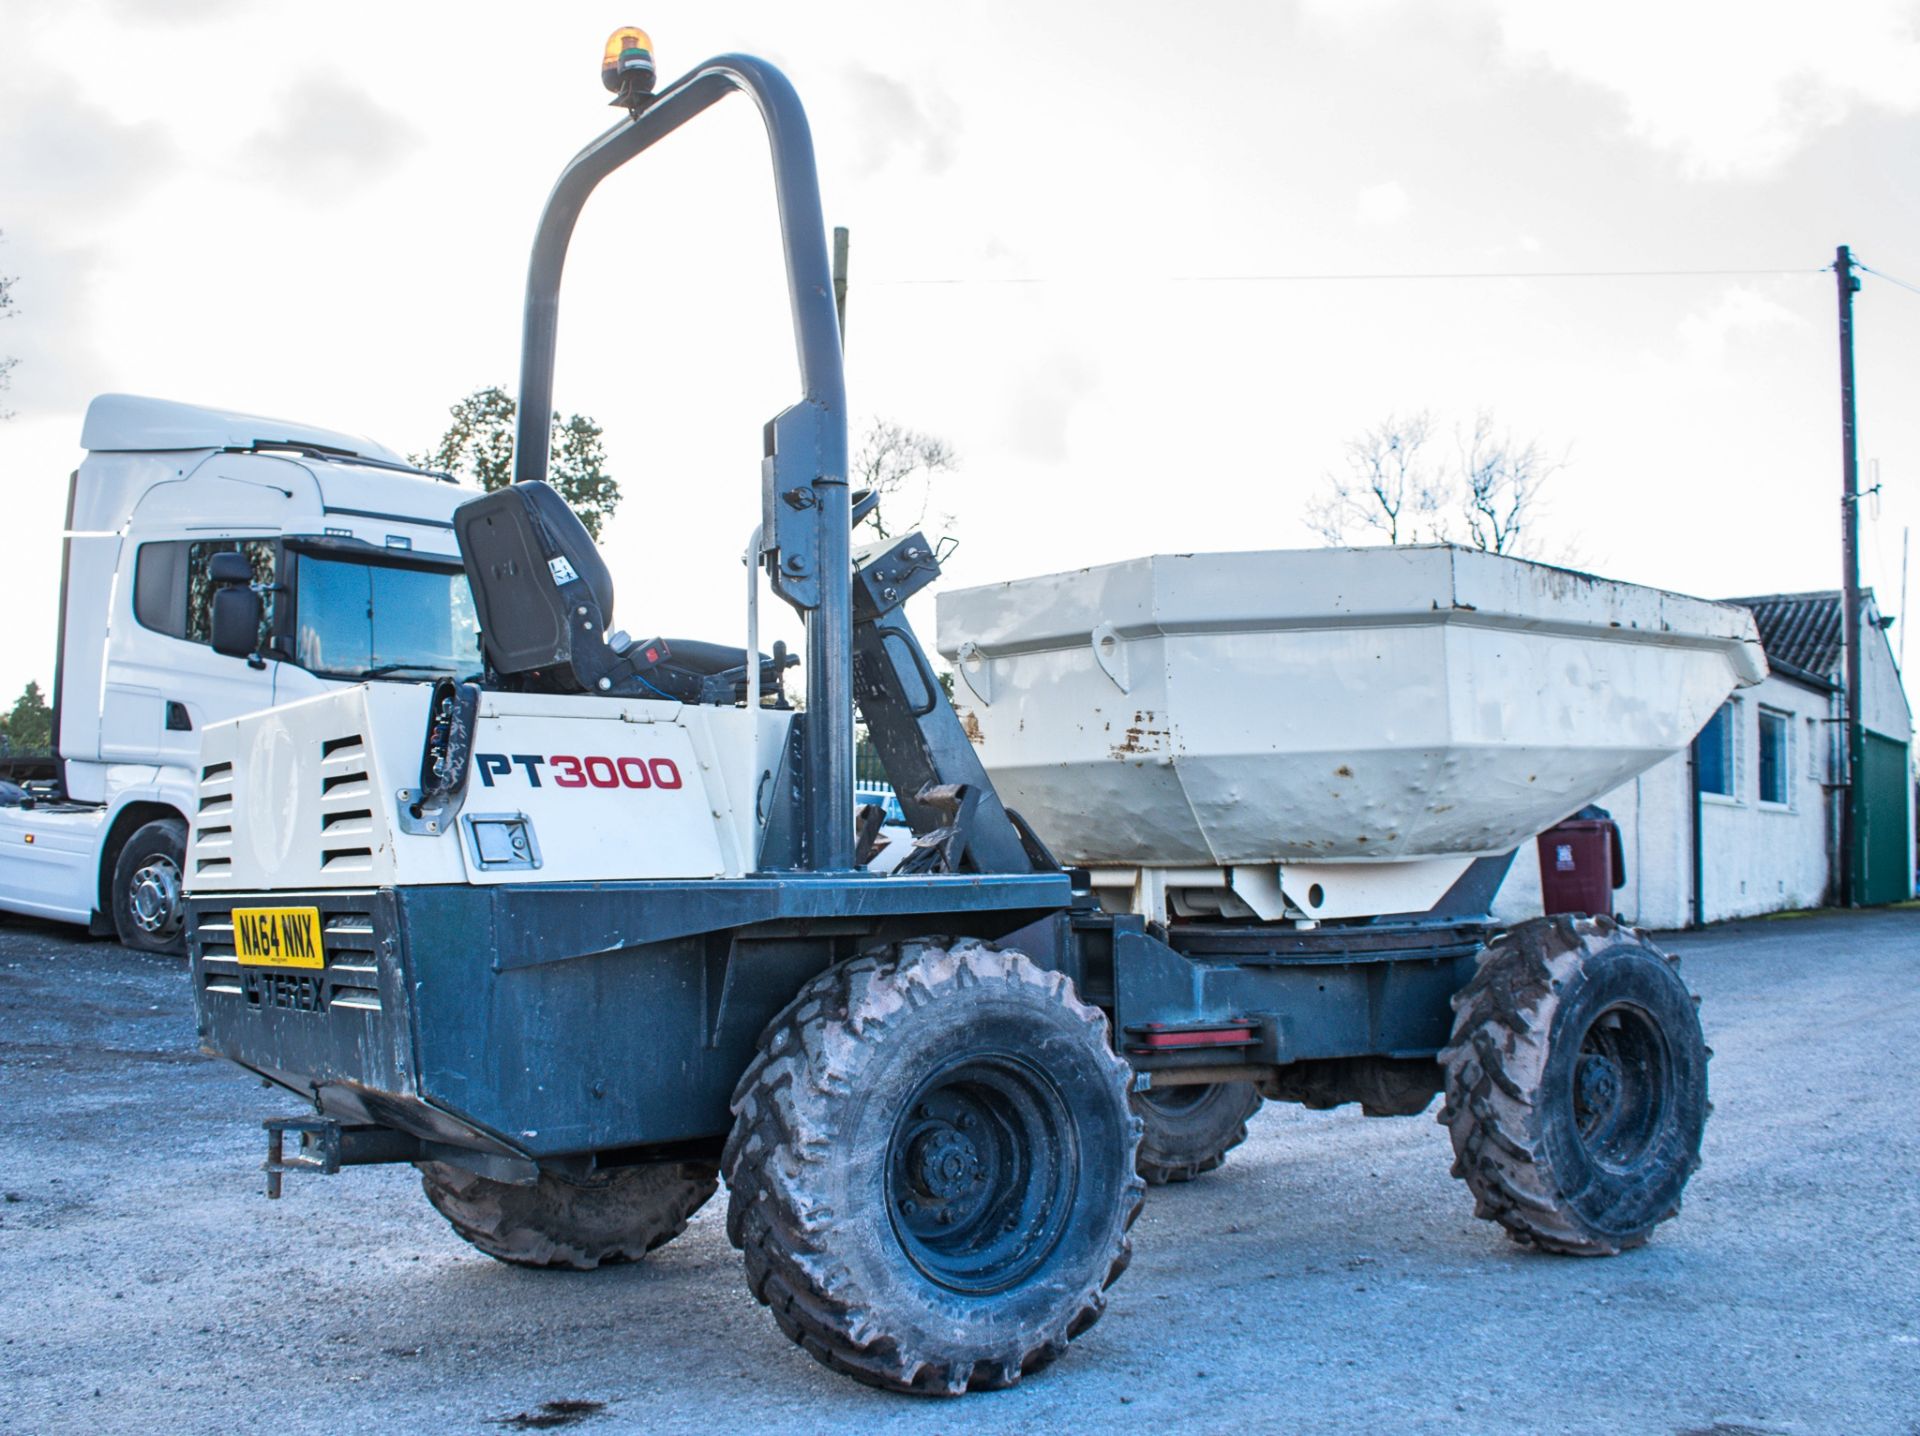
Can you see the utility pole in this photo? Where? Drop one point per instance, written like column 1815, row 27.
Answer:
column 1906, row 536
column 1852, row 826
column 840, row 280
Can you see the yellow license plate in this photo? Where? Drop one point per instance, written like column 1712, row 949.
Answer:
column 278, row 936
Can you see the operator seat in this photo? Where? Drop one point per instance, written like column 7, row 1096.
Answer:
column 545, row 602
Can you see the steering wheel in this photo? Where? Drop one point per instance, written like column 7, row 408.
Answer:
column 865, row 501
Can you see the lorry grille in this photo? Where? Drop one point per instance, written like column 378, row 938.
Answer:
column 350, row 978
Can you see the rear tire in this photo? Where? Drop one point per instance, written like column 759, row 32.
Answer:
column 931, row 1168
column 1576, row 1085
column 149, row 910
column 1190, row 1128
column 617, row 1215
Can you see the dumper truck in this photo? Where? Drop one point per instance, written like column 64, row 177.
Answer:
column 584, row 935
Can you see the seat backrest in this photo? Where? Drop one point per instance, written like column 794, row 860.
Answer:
column 531, row 563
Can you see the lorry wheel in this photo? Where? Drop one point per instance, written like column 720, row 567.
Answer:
column 1190, row 1128
column 931, row 1168
column 616, row 1215
column 149, row 910
column 1576, row 1084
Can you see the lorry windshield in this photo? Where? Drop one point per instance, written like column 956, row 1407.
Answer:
column 362, row 620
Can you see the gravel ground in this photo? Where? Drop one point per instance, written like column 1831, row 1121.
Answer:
column 1330, row 1278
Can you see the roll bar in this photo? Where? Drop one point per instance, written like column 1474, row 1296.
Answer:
column 806, row 544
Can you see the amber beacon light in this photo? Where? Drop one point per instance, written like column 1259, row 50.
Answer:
column 627, row 68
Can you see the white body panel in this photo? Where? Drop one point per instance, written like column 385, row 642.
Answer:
column 1335, row 708
column 49, row 860
column 158, row 471
column 305, row 796
column 137, row 423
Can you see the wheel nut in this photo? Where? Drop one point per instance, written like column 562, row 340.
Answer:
column 909, row 1208
column 968, row 1121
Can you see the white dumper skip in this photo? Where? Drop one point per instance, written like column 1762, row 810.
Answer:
column 1323, row 734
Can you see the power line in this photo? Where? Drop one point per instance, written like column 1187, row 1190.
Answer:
column 1888, row 277
column 1470, row 274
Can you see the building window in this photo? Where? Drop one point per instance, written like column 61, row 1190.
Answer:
column 1714, row 751
column 1776, row 766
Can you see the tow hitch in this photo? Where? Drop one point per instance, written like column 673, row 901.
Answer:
column 325, row 1146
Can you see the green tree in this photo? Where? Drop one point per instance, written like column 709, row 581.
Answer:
column 28, row 727
column 478, row 446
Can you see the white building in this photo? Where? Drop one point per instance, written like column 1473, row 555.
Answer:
column 1764, row 835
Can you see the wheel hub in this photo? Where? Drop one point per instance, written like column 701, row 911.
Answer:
column 154, row 897
column 1599, row 1087
column 1622, row 1086
column 979, row 1173
column 946, row 1164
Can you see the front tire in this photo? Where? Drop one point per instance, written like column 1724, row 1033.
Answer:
column 149, row 908
column 1576, row 1084
column 616, row 1215
column 931, row 1168
column 1190, row 1128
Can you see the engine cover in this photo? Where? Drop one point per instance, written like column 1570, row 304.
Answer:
column 559, row 789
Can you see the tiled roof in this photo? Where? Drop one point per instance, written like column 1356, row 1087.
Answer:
column 1800, row 632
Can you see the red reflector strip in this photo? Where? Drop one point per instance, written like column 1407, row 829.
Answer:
column 1202, row 1037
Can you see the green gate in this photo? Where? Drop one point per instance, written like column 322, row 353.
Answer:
column 1887, row 796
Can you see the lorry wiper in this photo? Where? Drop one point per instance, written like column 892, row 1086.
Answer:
column 385, row 668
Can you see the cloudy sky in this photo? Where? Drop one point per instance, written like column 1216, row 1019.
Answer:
column 1126, row 257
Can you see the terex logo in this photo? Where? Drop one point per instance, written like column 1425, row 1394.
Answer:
column 568, row 771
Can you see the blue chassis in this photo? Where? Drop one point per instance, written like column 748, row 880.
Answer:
column 546, row 1021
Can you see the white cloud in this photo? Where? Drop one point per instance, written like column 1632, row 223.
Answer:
column 170, row 12
column 897, row 119
column 70, row 171
column 329, row 137
column 1383, row 204
column 1041, row 405
column 1735, row 317
column 1731, row 87
column 1101, row 414
column 70, row 161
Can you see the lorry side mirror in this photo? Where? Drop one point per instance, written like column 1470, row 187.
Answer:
column 236, row 618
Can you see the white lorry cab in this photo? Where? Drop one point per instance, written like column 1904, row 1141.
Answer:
column 214, row 564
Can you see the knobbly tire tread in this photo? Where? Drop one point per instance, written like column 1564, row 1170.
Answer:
column 615, row 1216
column 782, row 1138
column 1185, row 1145
column 1495, row 1111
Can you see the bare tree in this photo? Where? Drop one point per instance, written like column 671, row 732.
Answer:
column 7, row 361
column 900, row 465
column 1388, row 488
column 1501, row 480
column 1489, row 498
